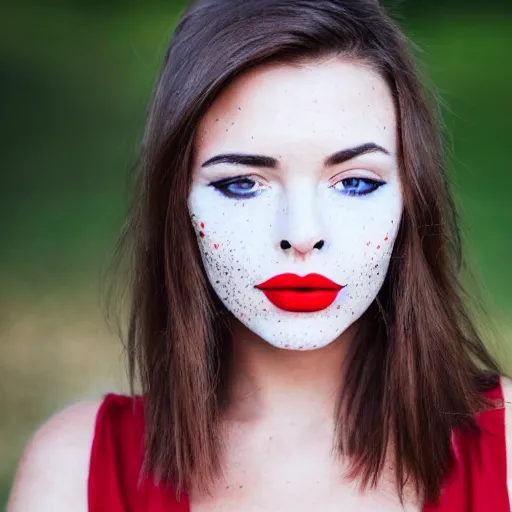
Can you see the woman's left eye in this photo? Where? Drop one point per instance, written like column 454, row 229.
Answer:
column 238, row 188
column 357, row 186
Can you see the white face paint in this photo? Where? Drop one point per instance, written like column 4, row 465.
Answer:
column 289, row 210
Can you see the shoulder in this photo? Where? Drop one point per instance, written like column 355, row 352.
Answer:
column 506, row 385
column 53, row 470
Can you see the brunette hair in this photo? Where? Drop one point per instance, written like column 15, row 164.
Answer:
column 418, row 366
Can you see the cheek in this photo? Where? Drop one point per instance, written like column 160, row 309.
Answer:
column 379, row 244
column 366, row 250
column 231, row 228
column 367, row 239
column 230, row 256
column 206, row 239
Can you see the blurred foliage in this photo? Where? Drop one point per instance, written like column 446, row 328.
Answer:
column 75, row 79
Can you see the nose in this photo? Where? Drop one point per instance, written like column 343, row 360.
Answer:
column 302, row 227
column 285, row 245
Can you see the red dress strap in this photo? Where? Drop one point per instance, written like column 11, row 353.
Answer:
column 115, row 483
column 478, row 480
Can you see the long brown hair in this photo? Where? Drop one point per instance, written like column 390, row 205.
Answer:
column 418, row 365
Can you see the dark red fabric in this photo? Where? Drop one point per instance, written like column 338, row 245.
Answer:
column 477, row 483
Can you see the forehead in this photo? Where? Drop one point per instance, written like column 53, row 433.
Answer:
column 325, row 104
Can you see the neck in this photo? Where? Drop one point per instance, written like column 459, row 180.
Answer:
column 268, row 383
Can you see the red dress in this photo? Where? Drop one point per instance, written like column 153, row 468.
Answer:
column 478, row 482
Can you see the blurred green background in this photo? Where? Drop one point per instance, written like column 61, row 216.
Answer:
column 75, row 83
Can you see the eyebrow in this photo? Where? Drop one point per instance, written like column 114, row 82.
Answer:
column 269, row 162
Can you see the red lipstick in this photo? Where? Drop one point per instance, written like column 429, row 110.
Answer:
column 307, row 294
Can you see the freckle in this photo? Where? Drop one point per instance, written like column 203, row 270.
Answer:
column 201, row 234
column 339, row 307
column 368, row 244
column 353, row 313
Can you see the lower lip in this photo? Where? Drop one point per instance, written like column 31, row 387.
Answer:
column 301, row 301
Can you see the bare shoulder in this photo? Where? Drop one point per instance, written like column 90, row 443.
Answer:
column 506, row 385
column 53, row 470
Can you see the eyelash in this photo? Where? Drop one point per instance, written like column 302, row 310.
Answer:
column 372, row 186
column 223, row 187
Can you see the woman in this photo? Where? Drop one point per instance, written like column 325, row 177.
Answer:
column 296, row 326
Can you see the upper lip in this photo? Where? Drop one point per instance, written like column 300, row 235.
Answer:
column 295, row 282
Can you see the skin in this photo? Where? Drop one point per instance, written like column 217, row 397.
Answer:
column 279, row 425
column 299, row 116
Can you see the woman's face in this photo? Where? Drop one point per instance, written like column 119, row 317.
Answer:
column 296, row 199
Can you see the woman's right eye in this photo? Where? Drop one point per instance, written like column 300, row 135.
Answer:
column 238, row 188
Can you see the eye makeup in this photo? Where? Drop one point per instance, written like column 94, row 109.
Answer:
column 239, row 187
column 357, row 186
column 245, row 187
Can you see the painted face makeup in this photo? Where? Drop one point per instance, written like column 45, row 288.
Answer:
column 296, row 198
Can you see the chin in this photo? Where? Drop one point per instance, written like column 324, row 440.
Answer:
column 296, row 341
column 302, row 348
column 290, row 331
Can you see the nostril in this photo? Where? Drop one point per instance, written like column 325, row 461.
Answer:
column 285, row 245
column 319, row 245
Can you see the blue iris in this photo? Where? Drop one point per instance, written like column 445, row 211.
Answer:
column 243, row 187
column 237, row 188
column 358, row 186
